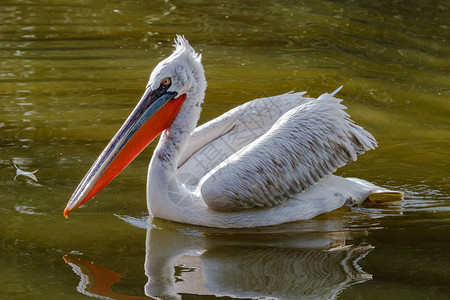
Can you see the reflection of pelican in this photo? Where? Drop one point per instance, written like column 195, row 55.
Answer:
column 252, row 265
column 266, row 162
column 307, row 265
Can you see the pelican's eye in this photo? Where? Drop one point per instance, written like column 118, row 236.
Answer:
column 165, row 81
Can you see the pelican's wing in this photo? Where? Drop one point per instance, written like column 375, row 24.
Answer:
column 306, row 144
column 213, row 142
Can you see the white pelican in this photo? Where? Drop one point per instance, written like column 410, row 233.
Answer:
column 266, row 162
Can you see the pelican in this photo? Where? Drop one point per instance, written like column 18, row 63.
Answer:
column 266, row 162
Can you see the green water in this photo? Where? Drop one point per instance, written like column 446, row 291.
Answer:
column 71, row 72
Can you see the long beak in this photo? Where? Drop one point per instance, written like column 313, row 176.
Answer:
column 154, row 113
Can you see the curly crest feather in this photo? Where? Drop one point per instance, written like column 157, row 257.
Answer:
column 182, row 45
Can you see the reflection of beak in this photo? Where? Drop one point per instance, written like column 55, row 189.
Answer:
column 96, row 280
column 154, row 113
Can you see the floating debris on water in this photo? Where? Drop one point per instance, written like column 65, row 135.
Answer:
column 25, row 173
column 28, row 210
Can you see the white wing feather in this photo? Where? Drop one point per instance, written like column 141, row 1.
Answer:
column 215, row 141
column 303, row 145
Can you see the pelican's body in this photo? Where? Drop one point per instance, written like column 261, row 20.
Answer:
column 266, row 162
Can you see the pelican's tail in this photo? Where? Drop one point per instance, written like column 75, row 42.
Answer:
column 387, row 196
column 375, row 194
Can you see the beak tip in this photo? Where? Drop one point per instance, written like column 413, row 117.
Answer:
column 66, row 212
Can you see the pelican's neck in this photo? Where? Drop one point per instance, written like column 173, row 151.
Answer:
column 174, row 139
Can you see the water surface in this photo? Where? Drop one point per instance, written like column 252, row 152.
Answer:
column 71, row 71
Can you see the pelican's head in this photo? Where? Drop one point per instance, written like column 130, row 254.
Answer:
column 174, row 82
column 182, row 70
